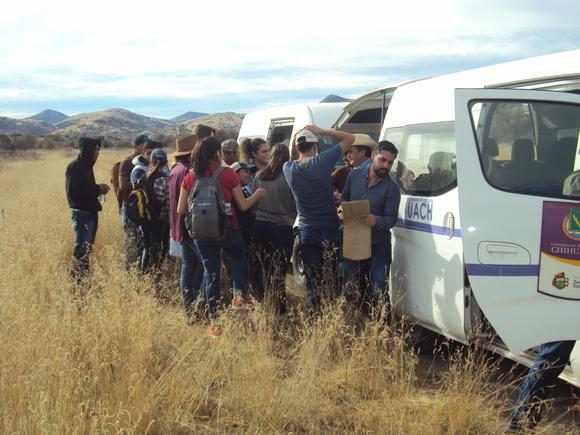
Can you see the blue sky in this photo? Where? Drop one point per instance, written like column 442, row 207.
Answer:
column 165, row 58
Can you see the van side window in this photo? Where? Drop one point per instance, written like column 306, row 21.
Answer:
column 529, row 147
column 426, row 165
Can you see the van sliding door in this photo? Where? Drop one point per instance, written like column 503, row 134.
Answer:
column 518, row 173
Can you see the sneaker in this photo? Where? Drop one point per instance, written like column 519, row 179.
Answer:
column 214, row 331
column 239, row 301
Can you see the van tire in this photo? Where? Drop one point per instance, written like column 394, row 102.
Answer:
column 297, row 266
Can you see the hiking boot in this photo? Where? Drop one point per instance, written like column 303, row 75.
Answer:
column 214, row 331
column 238, row 301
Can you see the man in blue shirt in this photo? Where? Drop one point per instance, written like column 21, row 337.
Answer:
column 311, row 184
column 372, row 182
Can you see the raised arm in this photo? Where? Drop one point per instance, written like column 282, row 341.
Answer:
column 346, row 139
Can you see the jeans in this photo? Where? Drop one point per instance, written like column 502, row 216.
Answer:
column 85, row 224
column 375, row 271
column 210, row 253
column 318, row 248
column 550, row 362
column 191, row 276
column 274, row 243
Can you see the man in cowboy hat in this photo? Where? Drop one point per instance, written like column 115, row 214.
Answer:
column 359, row 153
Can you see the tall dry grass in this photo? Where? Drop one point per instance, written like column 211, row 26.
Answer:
column 112, row 357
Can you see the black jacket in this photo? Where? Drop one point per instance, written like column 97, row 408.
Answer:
column 82, row 191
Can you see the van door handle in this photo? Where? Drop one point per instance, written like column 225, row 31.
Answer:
column 450, row 224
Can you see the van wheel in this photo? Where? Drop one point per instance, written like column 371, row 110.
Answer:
column 297, row 265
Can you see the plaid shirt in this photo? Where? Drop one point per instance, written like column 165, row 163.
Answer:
column 161, row 191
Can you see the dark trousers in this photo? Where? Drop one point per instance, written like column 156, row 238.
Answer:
column 319, row 251
column 550, row 362
column 274, row 242
column 85, row 224
column 133, row 244
column 369, row 274
column 155, row 246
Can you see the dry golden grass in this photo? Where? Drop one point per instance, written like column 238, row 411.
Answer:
column 114, row 358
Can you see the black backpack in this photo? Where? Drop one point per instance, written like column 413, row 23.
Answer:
column 208, row 217
column 142, row 206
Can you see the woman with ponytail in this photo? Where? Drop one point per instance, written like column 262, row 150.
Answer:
column 255, row 151
column 275, row 216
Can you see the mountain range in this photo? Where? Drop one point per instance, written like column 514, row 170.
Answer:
column 114, row 123
column 122, row 124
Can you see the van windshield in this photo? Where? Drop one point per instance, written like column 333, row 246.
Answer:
column 529, row 147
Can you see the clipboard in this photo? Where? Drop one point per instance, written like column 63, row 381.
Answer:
column 356, row 236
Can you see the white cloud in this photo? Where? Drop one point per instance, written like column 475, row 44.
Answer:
column 66, row 49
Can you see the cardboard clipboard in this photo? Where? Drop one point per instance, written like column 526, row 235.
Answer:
column 357, row 236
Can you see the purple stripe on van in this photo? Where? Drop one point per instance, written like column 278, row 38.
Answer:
column 503, row 269
column 427, row 228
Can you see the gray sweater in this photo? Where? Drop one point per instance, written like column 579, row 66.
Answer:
column 278, row 205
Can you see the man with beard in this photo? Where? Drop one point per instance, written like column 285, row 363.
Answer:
column 82, row 193
column 372, row 182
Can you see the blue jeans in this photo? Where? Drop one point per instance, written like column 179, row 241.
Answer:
column 375, row 271
column 550, row 362
column 274, row 242
column 319, row 248
column 191, row 275
column 210, row 254
column 85, row 224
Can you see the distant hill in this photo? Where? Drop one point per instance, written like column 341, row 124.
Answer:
column 116, row 123
column 120, row 124
column 229, row 121
column 334, row 99
column 49, row 116
column 24, row 126
column 188, row 116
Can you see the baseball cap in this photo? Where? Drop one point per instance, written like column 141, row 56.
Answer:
column 241, row 165
column 158, row 155
column 305, row 136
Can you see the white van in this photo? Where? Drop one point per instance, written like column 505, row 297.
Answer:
column 279, row 124
column 487, row 243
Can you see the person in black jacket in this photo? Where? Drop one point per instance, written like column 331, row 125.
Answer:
column 82, row 193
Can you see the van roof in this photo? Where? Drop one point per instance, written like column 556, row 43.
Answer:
column 432, row 100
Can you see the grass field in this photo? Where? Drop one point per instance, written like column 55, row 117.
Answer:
column 119, row 357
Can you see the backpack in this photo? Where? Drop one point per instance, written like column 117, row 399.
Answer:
column 115, row 182
column 208, row 217
column 142, row 206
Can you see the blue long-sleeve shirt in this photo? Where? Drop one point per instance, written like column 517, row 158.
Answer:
column 383, row 196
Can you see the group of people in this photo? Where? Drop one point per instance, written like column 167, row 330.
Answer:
column 262, row 191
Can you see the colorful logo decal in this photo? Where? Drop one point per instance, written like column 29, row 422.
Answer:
column 569, row 225
column 560, row 281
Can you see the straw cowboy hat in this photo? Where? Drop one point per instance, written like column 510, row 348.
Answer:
column 184, row 144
